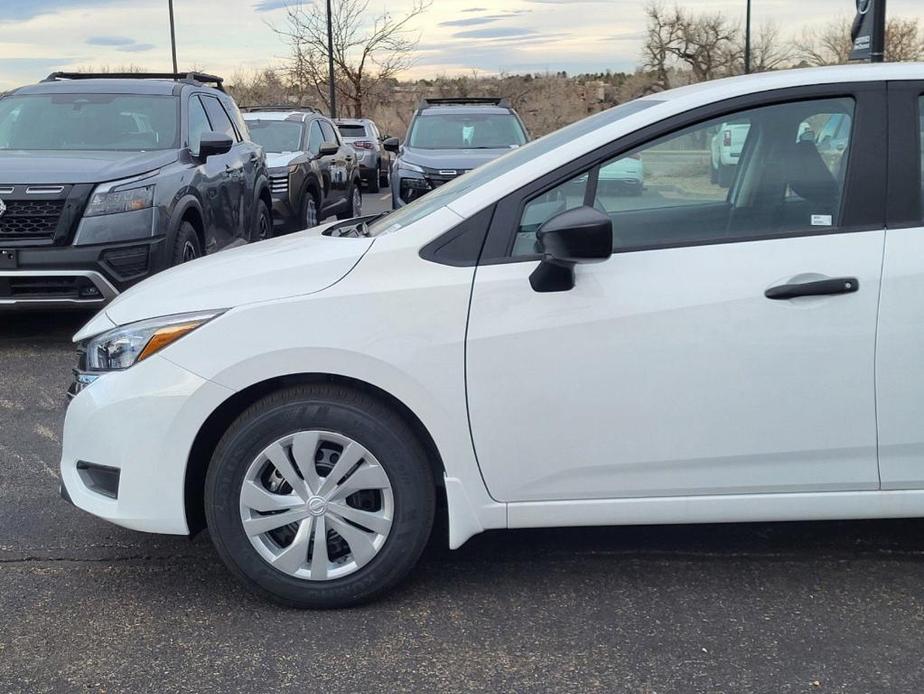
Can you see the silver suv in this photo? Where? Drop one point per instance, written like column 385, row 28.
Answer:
column 363, row 136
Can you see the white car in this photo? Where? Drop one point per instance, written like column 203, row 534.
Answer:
column 727, row 145
column 753, row 356
column 626, row 175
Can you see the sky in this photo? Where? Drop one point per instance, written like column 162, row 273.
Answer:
column 456, row 36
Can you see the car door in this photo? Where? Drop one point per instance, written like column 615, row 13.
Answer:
column 211, row 178
column 340, row 165
column 899, row 367
column 668, row 370
column 250, row 155
column 322, row 167
column 230, row 200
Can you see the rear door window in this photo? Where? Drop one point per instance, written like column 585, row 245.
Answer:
column 329, row 134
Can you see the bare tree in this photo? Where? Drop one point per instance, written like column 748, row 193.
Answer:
column 704, row 43
column 831, row 45
column 768, row 50
column 367, row 52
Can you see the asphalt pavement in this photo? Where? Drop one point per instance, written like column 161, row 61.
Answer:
column 86, row 606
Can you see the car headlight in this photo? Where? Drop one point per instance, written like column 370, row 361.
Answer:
column 126, row 345
column 406, row 166
column 113, row 201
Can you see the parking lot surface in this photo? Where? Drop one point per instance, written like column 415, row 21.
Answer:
column 86, row 606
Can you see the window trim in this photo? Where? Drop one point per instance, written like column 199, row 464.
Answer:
column 188, row 121
column 905, row 199
column 864, row 207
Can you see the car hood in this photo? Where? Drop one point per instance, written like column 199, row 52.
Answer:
column 300, row 263
column 58, row 166
column 279, row 159
column 451, row 158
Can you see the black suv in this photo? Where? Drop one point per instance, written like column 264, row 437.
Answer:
column 448, row 137
column 107, row 179
column 313, row 173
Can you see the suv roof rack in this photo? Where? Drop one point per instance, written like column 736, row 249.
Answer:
column 500, row 101
column 187, row 77
column 281, row 107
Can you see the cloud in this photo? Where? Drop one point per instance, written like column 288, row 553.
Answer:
column 472, row 21
column 20, row 10
column 476, row 9
column 494, row 33
column 110, row 41
column 270, row 5
column 136, row 48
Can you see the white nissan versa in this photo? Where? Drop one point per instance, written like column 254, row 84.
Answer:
column 537, row 350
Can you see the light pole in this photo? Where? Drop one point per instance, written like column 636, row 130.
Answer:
column 172, row 36
column 330, row 63
column 747, row 41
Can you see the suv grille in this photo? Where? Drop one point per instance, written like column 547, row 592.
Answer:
column 30, row 219
column 279, row 185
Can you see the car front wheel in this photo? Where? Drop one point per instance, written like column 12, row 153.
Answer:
column 319, row 496
column 356, row 203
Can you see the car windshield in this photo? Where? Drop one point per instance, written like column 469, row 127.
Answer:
column 130, row 122
column 466, row 131
column 486, row 173
column 276, row 135
column 352, row 130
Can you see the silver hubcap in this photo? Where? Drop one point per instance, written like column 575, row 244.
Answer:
column 316, row 505
column 311, row 214
column 357, row 202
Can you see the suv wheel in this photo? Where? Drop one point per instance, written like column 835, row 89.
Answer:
column 187, row 246
column 356, row 203
column 263, row 224
column 374, row 182
column 319, row 496
column 383, row 178
column 309, row 210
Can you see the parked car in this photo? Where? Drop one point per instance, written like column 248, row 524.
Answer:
column 753, row 356
column 314, row 174
column 374, row 160
column 727, row 144
column 626, row 175
column 448, row 137
column 106, row 179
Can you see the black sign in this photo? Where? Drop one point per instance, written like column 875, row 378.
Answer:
column 868, row 33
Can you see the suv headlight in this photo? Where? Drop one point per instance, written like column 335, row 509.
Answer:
column 115, row 201
column 407, row 166
column 126, row 345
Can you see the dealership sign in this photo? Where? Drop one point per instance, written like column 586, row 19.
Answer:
column 868, row 32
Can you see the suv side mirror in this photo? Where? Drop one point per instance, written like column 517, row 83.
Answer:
column 212, row 144
column 392, row 144
column 328, row 148
column 581, row 235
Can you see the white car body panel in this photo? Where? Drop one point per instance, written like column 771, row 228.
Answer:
column 373, row 310
column 746, row 395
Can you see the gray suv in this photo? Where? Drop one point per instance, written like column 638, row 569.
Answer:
column 448, row 137
column 374, row 160
column 107, row 179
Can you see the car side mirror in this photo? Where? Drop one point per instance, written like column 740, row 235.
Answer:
column 581, row 235
column 212, row 144
column 328, row 148
column 392, row 144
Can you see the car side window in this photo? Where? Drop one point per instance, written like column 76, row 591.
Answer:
column 330, row 133
column 198, row 124
column 239, row 121
column 220, row 121
column 764, row 172
column 315, row 138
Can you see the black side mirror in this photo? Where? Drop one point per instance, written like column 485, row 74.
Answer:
column 392, row 144
column 581, row 235
column 212, row 144
column 328, row 148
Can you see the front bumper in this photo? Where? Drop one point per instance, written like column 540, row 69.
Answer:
column 75, row 276
column 140, row 424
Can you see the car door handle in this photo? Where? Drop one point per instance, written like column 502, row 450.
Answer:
column 835, row 285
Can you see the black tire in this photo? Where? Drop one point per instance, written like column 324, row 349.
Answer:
column 373, row 182
column 726, row 175
column 308, row 198
column 262, row 223
column 351, row 413
column 353, row 210
column 383, row 178
column 186, row 246
column 713, row 173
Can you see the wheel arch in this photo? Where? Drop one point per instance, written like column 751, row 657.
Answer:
column 188, row 210
column 221, row 418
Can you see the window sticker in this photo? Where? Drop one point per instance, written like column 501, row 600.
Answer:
column 822, row 220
